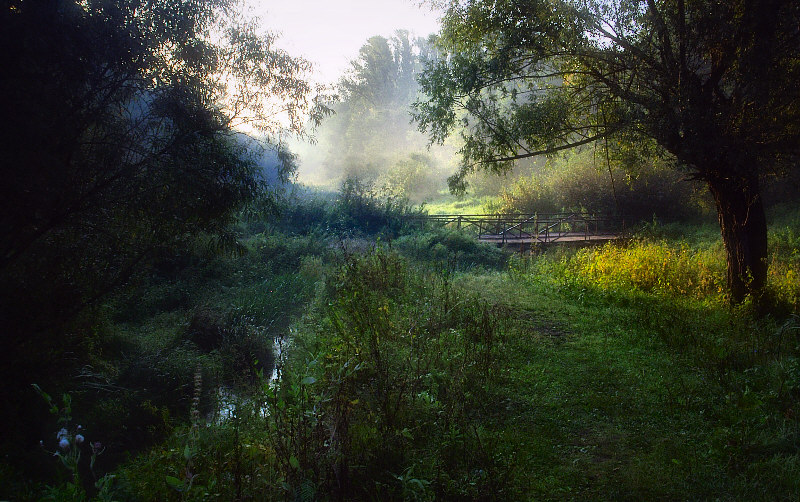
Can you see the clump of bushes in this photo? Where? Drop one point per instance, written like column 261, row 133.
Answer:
column 444, row 246
column 281, row 253
column 358, row 208
column 674, row 268
column 652, row 267
column 361, row 208
column 580, row 182
column 389, row 382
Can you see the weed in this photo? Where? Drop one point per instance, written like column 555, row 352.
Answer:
column 71, row 444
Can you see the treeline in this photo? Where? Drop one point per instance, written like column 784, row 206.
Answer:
column 371, row 138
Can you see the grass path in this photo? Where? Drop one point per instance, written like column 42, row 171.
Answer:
column 592, row 405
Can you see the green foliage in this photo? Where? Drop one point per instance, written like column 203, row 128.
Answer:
column 580, row 182
column 381, row 393
column 125, row 146
column 669, row 260
column 652, row 267
column 518, row 79
column 414, row 178
column 123, row 151
column 396, row 362
column 227, row 460
column 359, row 208
column 661, row 80
column 452, row 247
column 141, row 354
column 587, row 374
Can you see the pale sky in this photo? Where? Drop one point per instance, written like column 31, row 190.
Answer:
column 329, row 33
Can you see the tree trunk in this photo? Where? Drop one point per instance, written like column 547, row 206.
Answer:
column 744, row 232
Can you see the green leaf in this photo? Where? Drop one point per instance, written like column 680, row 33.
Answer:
column 42, row 393
column 175, row 483
column 294, row 462
column 308, row 380
column 187, row 452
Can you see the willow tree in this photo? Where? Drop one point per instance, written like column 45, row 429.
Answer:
column 712, row 83
column 120, row 142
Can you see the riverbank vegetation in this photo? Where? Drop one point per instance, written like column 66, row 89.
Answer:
column 183, row 320
column 430, row 367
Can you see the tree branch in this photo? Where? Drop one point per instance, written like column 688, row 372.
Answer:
column 548, row 151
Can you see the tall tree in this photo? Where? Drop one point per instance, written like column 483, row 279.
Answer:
column 713, row 83
column 119, row 137
column 120, row 144
column 371, row 127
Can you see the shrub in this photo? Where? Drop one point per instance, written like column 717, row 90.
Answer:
column 451, row 246
column 359, row 207
column 414, row 178
column 659, row 266
column 580, row 183
column 653, row 267
column 384, row 398
column 280, row 253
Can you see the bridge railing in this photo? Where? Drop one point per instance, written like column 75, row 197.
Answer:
column 535, row 227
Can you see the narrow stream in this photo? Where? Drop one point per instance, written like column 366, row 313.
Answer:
column 228, row 400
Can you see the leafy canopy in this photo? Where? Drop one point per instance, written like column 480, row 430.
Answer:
column 711, row 82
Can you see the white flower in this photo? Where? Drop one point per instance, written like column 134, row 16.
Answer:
column 64, row 444
column 79, row 438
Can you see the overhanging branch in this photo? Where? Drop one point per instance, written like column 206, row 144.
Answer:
column 548, row 151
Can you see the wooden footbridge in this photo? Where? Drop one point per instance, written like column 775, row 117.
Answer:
column 530, row 229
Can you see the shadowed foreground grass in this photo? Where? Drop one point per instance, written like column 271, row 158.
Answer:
column 639, row 398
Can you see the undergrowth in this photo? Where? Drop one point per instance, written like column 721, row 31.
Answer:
column 382, row 393
column 431, row 367
column 674, row 268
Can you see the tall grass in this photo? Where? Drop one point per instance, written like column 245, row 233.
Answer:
column 380, row 396
column 673, row 268
column 657, row 267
